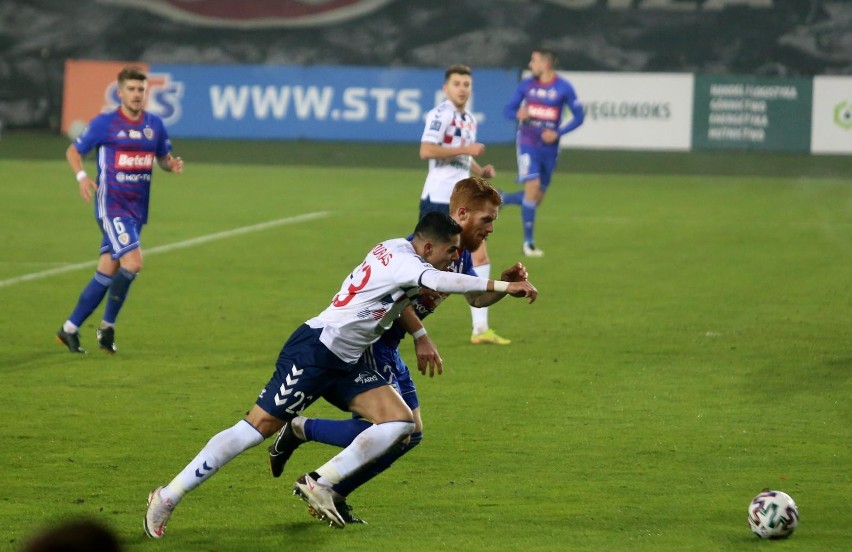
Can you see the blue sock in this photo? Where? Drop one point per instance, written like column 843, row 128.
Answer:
column 528, row 209
column 382, row 463
column 90, row 298
column 117, row 294
column 515, row 198
column 339, row 433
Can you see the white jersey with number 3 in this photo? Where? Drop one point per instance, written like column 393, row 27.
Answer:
column 371, row 298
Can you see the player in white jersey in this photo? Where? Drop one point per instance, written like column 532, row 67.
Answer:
column 325, row 358
column 449, row 143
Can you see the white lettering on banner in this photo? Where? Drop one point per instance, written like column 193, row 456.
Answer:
column 225, row 101
column 408, row 102
column 131, row 160
column 736, row 134
column 381, row 95
column 309, row 104
column 268, row 98
column 665, row 5
column 727, row 90
column 356, row 105
column 314, row 103
column 738, row 119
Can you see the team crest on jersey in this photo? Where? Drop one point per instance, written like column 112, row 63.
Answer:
column 149, row 133
column 123, row 239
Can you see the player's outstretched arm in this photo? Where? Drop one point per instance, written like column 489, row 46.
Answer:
column 450, row 282
column 515, row 273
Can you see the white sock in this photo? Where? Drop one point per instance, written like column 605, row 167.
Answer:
column 369, row 445
column 69, row 327
column 480, row 316
column 298, row 426
column 218, row 451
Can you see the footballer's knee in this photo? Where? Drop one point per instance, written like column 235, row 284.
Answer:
column 134, row 266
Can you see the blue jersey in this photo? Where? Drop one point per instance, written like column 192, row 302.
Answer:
column 427, row 300
column 126, row 152
column 545, row 103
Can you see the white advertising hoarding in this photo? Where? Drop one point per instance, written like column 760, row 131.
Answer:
column 634, row 111
column 831, row 127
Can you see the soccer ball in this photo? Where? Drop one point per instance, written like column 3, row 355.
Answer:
column 773, row 515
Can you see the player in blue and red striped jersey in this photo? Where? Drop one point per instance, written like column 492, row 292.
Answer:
column 128, row 141
column 538, row 105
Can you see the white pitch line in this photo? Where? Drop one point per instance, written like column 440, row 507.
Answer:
column 170, row 247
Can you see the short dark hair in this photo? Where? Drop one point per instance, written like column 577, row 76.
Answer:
column 437, row 226
column 548, row 54
column 457, row 70
column 131, row 72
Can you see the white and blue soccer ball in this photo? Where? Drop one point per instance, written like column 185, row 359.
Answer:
column 773, row 515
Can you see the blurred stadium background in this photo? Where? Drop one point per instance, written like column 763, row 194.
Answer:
column 789, row 38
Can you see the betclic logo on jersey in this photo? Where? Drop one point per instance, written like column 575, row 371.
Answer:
column 134, row 161
column 164, row 97
column 543, row 112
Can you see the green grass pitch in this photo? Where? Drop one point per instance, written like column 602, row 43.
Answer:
column 691, row 345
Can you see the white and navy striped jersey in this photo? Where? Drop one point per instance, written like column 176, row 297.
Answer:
column 371, row 298
column 446, row 126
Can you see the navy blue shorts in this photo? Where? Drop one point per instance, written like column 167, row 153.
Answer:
column 306, row 370
column 426, row 206
column 390, row 365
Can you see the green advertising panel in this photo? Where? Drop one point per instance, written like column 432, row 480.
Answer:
column 755, row 113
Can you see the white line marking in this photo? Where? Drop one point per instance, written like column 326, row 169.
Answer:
column 170, row 247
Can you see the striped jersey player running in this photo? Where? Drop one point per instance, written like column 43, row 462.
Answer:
column 449, row 143
column 128, row 142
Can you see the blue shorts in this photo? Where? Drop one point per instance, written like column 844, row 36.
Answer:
column 536, row 164
column 120, row 235
column 426, row 206
column 306, row 370
column 386, row 360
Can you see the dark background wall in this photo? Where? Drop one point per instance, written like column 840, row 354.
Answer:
column 762, row 37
